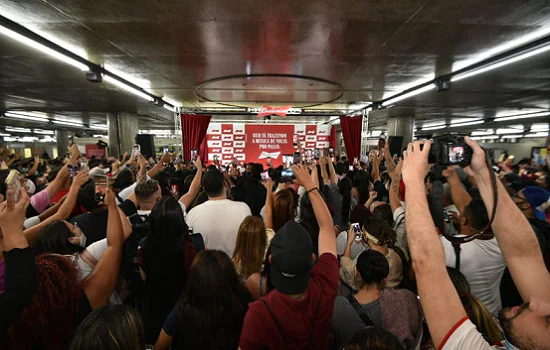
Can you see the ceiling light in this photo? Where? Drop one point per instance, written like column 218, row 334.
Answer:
column 334, row 120
column 17, row 129
column 168, row 107
column 27, row 139
column 62, row 122
column 455, row 125
column 539, row 127
column 172, row 102
column 490, row 137
column 11, row 115
column 101, row 136
column 501, row 63
column 42, row 48
column 538, row 134
column 435, row 127
column 523, row 116
column 408, row 94
column 511, row 136
column 509, row 131
column 99, row 127
column 483, row 132
column 128, row 88
column 43, row 132
column 5, row 135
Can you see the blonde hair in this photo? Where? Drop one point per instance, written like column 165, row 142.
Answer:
column 250, row 246
column 482, row 318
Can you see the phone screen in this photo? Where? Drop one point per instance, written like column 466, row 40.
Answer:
column 265, row 176
column 351, row 168
column 13, row 182
column 101, row 183
column 331, row 152
column 456, row 154
column 357, row 231
column 287, row 175
column 71, row 171
column 136, row 151
column 194, row 154
column 316, row 153
column 297, row 158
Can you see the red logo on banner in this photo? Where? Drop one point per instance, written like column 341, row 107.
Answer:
column 215, row 131
column 239, row 131
column 227, row 144
column 322, row 131
column 322, row 138
column 227, row 137
column 227, row 156
column 239, row 150
column 239, row 138
column 280, row 111
column 215, row 137
column 215, row 150
column 310, row 145
column 239, row 144
column 216, row 144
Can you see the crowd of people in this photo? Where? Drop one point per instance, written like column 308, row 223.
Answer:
column 176, row 254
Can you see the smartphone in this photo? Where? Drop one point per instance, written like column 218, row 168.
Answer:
column 351, row 168
column 174, row 189
column 446, row 217
column 215, row 158
column 297, row 158
column 287, row 175
column 357, row 232
column 101, row 183
column 331, row 152
column 194, row 154
column 265, row 176
column 165, row 150
column 136, row 151
column 316, row 153
column 295, row 140
column 355, row 160
column 71, row 171
column 13, row 181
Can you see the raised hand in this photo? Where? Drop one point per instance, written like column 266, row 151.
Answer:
column 198, row 163
column 81, row 178
column 302, row 176
column 12, row 215
column 415, row 165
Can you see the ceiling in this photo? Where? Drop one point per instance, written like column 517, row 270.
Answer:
column 365, row 50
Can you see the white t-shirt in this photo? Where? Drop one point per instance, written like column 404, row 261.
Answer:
column 482, row 263
column 465, row 336
column 400, row 231
column 218, row 221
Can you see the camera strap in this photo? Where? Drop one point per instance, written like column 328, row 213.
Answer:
column 484, row 233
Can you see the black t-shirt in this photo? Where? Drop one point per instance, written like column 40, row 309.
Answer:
column 383, row 195
column 94, row 224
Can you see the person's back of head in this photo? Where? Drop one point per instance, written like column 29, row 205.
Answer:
column 384, row 212
column 213, row 183
column 199, row 199
column 379, row 232
column 475, row 215
column 51, row 316
column 284, row 208
column 124, row 179
column 215, row 299
column 256, row 170
column 371, row 338
column 373, row 268
column 359, row 215
column 250, row 246
column 340, row 168
column 110, row 327
column 164, row 182
column 147, row 194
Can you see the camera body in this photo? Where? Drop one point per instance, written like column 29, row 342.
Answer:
column 450, row 149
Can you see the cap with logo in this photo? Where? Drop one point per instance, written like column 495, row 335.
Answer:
column 291, row 252
column 539, row 198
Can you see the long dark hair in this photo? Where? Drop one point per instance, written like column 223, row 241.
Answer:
column 379, row 228
column 110, row 327
column 308, row 220
column 361, row 182
column 344, row 186
column 214, row 303
column 168, row 250
column 54, row 238
column 284, row 208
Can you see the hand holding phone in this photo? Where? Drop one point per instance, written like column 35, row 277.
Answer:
column 136, row 151
column 13, row 182
column 356, row 228
column 101, row 184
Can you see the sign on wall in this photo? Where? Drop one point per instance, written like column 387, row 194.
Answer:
column 257, row 142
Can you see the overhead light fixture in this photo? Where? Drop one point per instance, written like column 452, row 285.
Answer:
column 483, row 132
column 172, row 102
column 168, row 107
column 511, row 136
column 11, row 115
column 100, row 136
column 334, row 120
column 63, row 122
column 538, row 134
column 539, row 127
column 501, row 63
column 127, row 87
column 5, row 135
column 36, row 45
column 99, row 127
column 490, row 137
column 408, row 94
column 43, row 132
column 10, row 129
column 523, row 116
column 509, row 131
column 435, row 127
column 27, row 139
column 474, row 122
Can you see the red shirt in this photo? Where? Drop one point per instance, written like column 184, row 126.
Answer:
column 295, row 317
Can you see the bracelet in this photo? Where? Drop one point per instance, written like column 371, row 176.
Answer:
column 313, row 189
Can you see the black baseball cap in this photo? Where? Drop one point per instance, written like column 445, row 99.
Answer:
column 291, row 251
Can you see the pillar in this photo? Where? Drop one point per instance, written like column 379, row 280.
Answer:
column 401, row 126
column 64, row 139
column 123, row 128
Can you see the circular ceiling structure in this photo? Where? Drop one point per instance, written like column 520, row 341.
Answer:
column 274, row 89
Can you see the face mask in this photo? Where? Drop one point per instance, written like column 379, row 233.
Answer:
column 81, row 241
column 31, row 188
column 508, row 345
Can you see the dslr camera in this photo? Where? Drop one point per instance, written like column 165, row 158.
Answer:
column 450, row 149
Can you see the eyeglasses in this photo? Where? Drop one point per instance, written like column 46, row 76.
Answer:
column 520, row 202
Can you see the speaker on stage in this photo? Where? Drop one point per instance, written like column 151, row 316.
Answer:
column 147, row 144
column 396, row 145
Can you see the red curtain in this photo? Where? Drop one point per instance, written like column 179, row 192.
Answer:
column 332, row 139
column 203, row 150
column 351, row 132
column 193, row 128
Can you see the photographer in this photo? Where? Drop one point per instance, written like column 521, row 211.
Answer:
column 525, row 326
